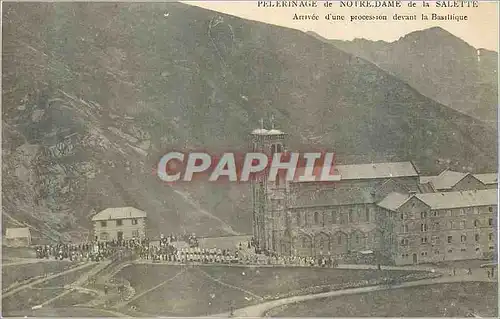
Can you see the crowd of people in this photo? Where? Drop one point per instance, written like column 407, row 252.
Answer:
column 167, row 250
column 92, row 251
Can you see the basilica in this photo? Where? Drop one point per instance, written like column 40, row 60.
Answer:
column 386, row 209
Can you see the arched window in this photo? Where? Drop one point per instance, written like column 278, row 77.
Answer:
column 367, row 214
column 476, row 223
column 316, row 217
column 304, row 242
column 298, row 219
column 350, row 215
column 339, row 239
column 334, row 217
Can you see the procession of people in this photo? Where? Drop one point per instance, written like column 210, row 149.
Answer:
column 166, row 250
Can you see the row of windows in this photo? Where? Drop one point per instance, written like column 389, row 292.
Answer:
column 437, row 239
column 340, row 239
column 336, row 218
column 447, row 213
column 437, row 252
column 119, row 222
column 105, row 235
column 451, row 225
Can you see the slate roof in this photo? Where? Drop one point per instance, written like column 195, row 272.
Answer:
column 393, row 201
column 119, row 213
column 488, row 178
column 447, row 179
column 446, row 200
column 376, row 170
column 368, row 171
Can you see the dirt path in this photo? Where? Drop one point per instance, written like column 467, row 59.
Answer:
column 261, row 309
column 26, row 261
column 41, row 280
column 77, row 283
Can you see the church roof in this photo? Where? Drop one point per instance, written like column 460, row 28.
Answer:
column 376, row 170
column 119, row 213
column 366, row 171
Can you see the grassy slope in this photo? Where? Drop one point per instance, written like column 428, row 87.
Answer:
column 449, row 300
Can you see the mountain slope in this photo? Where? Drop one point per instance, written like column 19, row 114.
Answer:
column 94, row 94
column 440, row 66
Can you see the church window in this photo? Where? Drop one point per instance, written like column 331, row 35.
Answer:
column 304, row 242
column 350, row 215
column 316, row 217
column 334, row 217
column 367, row 214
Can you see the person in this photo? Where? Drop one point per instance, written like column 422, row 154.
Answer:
column 379, row 267
column 469, row 271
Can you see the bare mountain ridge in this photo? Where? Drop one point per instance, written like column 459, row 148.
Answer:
column 94, row 94
column 439, row 65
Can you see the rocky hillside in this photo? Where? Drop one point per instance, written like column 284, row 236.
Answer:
column 94, row 94
column 440, row 66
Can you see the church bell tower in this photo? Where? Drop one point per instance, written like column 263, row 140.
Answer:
column 269, row 198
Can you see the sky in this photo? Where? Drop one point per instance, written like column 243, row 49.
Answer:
column 480, row 31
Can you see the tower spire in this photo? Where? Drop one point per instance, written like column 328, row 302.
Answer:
column 272, row 121
column 261, row 123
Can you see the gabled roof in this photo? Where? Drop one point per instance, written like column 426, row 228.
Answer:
column 367, row 171
column 119, row 213
column 448, row 178
column 426, row 179
column 488, row 178
column 22, row 232
column 393, row 201
column 446, row 200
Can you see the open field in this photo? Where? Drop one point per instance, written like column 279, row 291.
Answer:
column 19, row 273
column 28, row 298
column 174, row 290
column 71, row 299
column 440, row 300
column 17, row 252
column 62, row 312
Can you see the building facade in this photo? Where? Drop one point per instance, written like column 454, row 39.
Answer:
column 434, row 227
column 18, row 237
column 351, row 216
column 121, row 223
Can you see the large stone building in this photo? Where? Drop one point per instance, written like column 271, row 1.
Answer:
column 352, row 215
column 120, row 223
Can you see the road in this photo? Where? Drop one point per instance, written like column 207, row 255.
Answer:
column 41, row 280
column 261, row 309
